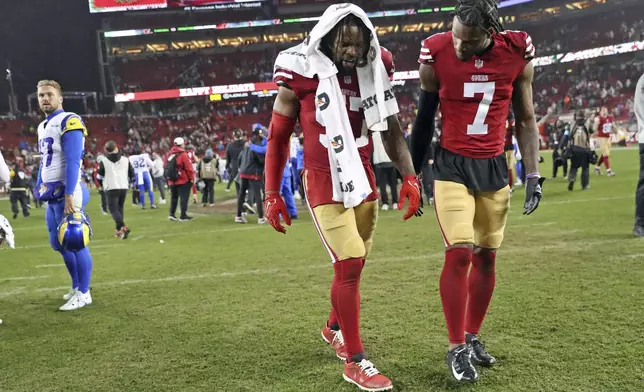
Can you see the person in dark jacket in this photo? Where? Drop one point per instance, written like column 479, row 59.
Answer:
column 251, row 172
column 182, row 185
column 19, row 187
column 207, row 171
column 232, row 158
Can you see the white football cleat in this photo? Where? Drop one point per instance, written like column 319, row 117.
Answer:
column 162, row 201
column 69, row 294
column 87, row 297
column 385, row 207
column 77, row 301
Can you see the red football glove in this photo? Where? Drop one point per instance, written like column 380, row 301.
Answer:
column 274, row 207
column 410, row 190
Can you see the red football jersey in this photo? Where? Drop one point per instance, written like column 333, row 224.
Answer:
column 475, row 95
column 605, row 127
column 315, row 151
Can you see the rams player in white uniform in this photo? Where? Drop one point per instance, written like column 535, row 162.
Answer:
column 141, row 163
column 61, row 140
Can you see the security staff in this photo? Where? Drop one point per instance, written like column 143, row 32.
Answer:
column 115, row 174
column 638, row 230
column 19, row 187
column 575, row 144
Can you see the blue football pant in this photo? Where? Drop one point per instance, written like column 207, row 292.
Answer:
column 79, row 264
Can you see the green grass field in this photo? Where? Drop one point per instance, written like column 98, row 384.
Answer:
column 225, row 307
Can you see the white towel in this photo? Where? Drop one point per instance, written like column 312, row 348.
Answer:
column 350, row 183
column 6, row 232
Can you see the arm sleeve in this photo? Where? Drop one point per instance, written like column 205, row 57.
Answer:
column 73, row 149
column 278, row 150
column 4, row 170
column 423, row 128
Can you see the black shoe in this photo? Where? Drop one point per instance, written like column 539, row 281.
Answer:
column 15, row 215
column 571, row 185
column 479, row 355
column 126, row 232
column 185, row 218
column 638, row 231
column 173, row 218
column 460, row 365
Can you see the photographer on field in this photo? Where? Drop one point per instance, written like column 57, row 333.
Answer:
column 575, row 145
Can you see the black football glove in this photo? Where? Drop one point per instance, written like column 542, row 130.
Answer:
column 532, row 194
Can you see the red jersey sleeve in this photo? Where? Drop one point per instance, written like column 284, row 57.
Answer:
column 289, row 79
column 430, row 46
column 521, row 43
column 388, row 61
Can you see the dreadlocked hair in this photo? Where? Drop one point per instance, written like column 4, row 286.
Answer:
column 480, row 13
column 328, row 41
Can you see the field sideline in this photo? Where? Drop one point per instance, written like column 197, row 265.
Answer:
column 219, row 306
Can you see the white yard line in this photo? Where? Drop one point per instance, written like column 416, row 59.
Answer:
column 435, row 256
column 24, row 278
column 50, row 265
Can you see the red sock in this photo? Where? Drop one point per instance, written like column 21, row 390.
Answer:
column 600, row 161
column 607, row 163
column 333, row 322
column 510, row 178
column 345, row 298
column 480, row 288
column 453, row 289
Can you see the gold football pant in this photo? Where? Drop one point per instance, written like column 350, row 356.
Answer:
column 346, row 233
column 466, row 216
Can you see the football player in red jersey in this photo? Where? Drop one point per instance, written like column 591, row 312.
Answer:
column 346, row 233
column 474, row 71
column 603, row 127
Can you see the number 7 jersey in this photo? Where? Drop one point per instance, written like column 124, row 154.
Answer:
column 475, row 94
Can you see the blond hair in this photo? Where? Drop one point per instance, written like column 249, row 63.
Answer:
column 50, row 83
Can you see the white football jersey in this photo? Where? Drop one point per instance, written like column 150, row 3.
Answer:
column 50, row 133
column 141, row 163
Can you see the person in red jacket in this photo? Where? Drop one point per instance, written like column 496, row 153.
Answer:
column 180, row 175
